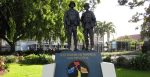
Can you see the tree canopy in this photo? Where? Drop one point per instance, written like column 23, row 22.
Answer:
column 104, row 27
column 34, row 19
column 145, row 27
column 132, row 3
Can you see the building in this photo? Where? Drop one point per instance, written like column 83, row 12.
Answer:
column 128, row 42
column 134, row 37
column 29, row 44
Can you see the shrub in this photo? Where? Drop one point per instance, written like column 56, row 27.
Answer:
column 3, row 66
column 140, row 62
column 37, row 59
column 10, row 59
column 20, row 58
column 107, row 59
column 122, row 62
column 45, row 59
column 30, row 59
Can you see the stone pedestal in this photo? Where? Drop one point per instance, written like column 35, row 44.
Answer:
column 108, row 70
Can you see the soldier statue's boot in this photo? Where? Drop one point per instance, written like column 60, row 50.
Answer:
column 68, row 48
column 92, row 48
column 75, row 49
column 87, row 48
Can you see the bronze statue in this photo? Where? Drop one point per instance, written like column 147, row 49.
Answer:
column 88, row 21
column 71, row 21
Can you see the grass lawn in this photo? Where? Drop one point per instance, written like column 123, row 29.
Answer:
column 17, row 70
column 36, row 71
column 132, row 73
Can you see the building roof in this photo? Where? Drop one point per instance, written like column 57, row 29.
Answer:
column 135, row 37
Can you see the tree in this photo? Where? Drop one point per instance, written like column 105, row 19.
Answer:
column 102, row 28
column 21, row 19
column 137, row 17
column 145, row 29
column 132, row 4
column 11, row 21
column 110, row 29
column 34, row 19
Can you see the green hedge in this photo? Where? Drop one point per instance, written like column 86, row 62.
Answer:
column 29, row 59
column 107, row 59
column 37, row 59
column 122, row 62
column 141, row 62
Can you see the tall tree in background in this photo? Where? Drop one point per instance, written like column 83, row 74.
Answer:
column 145, row 27
column 132, row 3
column 110, row 28
column 12, row 21
column 21, row 19
column 102, row 28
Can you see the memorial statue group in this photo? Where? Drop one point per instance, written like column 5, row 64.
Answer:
column 72, row 20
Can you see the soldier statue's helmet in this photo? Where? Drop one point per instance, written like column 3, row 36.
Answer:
column 87, row 5
column 72, row 2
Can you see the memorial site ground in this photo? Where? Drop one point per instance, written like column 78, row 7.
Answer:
column 17, row 70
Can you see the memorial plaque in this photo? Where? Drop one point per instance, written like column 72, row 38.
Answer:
column 78, row 64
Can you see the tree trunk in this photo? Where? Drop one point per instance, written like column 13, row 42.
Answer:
column 103, row 43
column 12, row 45
column 13, row 49
column 40, row 44
column 97, row 43
column 108, row 37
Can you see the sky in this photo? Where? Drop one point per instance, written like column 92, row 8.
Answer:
column 111, row 11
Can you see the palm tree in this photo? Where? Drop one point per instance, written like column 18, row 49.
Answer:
column 99, row 31
column 110, row 28
column 102, row 28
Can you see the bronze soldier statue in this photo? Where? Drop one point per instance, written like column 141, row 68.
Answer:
column 88, row 21
column 71, row 21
